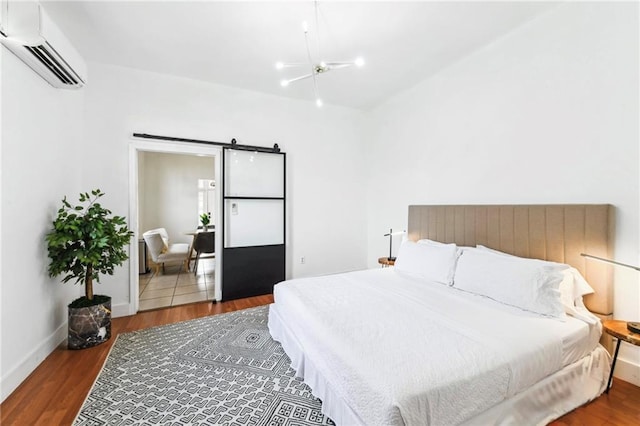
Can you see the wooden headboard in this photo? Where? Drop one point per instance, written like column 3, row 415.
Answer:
column 557, row 233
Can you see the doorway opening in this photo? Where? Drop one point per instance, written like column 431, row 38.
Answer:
column 171, row 186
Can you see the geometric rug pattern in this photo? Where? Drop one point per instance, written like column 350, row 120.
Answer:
column 218, row 370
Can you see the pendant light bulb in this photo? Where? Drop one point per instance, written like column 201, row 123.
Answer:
column 359, row 62
column 319, row 102
column 284, row 83
column 279, row 65
column 305, row 27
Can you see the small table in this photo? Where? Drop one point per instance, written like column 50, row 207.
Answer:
column 385, row 262
column 618, row 329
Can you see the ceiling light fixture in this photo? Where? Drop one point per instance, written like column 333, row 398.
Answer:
column 316, row 68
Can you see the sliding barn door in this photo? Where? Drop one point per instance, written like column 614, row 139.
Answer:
column 253, row 228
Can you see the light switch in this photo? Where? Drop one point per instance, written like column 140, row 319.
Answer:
column 234, row 208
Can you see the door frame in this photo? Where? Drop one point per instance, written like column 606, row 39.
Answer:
column 135, row 147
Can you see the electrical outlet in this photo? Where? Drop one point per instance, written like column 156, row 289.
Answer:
column 302, row 260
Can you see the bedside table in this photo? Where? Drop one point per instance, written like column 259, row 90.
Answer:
column 618, row 329
column 385, row 262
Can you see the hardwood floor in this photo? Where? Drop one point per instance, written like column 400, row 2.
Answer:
column 55, row 391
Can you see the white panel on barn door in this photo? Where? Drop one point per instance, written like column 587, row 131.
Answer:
column 254, row 222
column 251, row 173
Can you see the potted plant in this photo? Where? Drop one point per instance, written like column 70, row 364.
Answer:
column 87, row 241
column 205, row 219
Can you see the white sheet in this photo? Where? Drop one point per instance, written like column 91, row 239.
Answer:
column 553, row 396
column 386, row 348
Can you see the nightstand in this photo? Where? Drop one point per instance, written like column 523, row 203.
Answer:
column 385, row 261
column 618, row 329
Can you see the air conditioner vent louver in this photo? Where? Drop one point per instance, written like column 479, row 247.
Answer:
column 58, row 66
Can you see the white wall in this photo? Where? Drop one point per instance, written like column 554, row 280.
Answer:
column 546, row 114
column 325, row 163
column 41, row 150
column 168, row 192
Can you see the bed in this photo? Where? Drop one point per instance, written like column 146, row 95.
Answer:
column 389, row 346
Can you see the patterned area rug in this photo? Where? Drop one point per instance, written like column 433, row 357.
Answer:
column 218, row 370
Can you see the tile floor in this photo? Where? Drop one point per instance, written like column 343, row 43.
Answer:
column 176, row 287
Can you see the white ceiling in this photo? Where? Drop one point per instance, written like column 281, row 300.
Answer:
column 237, row 43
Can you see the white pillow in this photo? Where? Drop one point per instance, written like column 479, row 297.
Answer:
column 459, row 249
column 572, row 287
column 433, row 242
column 580, row 286
column 429, row 261
column 527, row 284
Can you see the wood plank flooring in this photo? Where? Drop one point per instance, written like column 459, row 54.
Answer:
column 55, row 391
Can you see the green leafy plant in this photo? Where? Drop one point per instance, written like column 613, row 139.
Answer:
column 86, row 241
column 205, row 219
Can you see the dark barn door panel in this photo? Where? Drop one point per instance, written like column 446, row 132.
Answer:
column 256, row 276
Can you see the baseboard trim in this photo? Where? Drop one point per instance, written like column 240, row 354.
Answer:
column 20, row 372
column 627, row 371
column 121, row 310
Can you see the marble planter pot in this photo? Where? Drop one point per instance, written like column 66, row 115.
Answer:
column 89, row 326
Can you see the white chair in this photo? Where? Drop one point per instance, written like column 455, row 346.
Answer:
column 161, row 251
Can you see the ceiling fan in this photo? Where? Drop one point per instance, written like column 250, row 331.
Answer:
column 315, row 67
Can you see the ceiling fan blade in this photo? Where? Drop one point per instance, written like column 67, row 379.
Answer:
column 281, row 65
column 313, row 70
column 359, row 62
column 333, row 66
column 316, row 91
column 302, row 77
column 343, row 63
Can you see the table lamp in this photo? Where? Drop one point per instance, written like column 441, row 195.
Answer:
column 390, row 235
column 633, row 327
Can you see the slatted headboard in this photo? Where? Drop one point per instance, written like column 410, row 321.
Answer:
column 557, row 233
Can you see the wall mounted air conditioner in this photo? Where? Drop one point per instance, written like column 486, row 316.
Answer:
column 28, row 32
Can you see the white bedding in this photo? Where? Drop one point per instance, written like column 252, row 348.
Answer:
column 380, row 347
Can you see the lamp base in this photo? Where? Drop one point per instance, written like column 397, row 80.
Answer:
column 633, row 327
column 393, row 259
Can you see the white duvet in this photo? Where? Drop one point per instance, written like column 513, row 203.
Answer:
column 385, row 348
